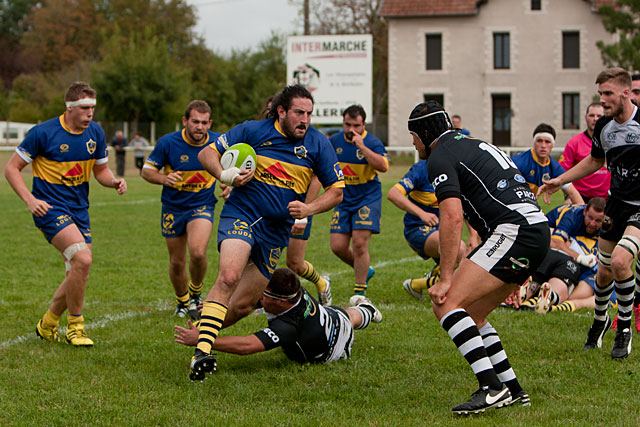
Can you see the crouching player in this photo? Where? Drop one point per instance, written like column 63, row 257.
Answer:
column 414, row 194
column 306, row 331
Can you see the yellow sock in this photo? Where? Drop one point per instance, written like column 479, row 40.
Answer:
column 312, row 275
column 71, row 319
column 183, row 299
column 194, row 289
column 50, row 320
column 359, row 289
column 419, row 284
column 213, row 314
column 565, row 306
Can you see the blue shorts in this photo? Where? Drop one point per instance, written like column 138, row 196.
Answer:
column 59, row 217
column 174, row 221
column 305, row 233
column 264, row 255
column 366, row 217
column 417, row 236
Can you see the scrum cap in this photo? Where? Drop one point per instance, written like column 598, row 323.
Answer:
column 428, row 121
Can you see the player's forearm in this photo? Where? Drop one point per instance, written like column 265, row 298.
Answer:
column 573, row 195
column 313, row 190
column 586, row 167
column 377, row 161
column 104, row 176
column 450, row 228
column 398, row 199
column 327, row 200
column 238, row 345
column 14, row 178
column 210, row 161
column 564, row 247
column 153, row 176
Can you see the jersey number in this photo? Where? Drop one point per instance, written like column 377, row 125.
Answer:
column 503, row 160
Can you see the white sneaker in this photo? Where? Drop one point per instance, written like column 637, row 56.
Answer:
column 361, row 300
column 407, row 287
column 544, row 302
column 523, row 290
column 324, row 297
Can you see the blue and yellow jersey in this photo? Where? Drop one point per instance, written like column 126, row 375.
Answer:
column 62, row 161
column 555, row 215
column 283, row 172
column 361, row 179
column 174, row 152
column 571, row 229
column 416, row 185
column 534, row 171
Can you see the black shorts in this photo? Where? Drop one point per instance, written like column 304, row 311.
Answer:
column 617, row 216
column 512, row 253
column 559, row 265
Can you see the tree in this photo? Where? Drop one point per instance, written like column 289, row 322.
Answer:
column 140, row 80
column 624, row 19
column 13, row 15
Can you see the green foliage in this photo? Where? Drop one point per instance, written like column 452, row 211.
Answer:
column 12, row 17
column 139, row 80
column 625, row 21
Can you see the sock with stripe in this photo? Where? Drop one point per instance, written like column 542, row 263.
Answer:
column 602, row 295
column 465, row 335
column 366, row 315
column 359, row 289
column 183, row 299
column 50, row 320
column 624, row 295
column 312, row 275
column 565, row 306
column 499, row 359
column 554, row 298
column 194, row 290
column 636, row 299
column 213, row 314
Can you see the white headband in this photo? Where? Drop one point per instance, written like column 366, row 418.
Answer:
column 83, row 101
column 546, row 135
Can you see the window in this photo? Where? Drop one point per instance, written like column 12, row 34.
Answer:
column 570, row 49
column 536, row 4
column 501, row 119
column 438, row 97
column 501, row 50
column 570, row 110
column 434, row 51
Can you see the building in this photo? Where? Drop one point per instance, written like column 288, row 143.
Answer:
column 503, row 65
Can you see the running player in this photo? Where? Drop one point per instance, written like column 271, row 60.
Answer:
column 63, row 152
column 474, row 179
column 414, row 194
column 306, row 331
column 361, row 157
column 256, row 220
column 616, row 139
column 188, row 201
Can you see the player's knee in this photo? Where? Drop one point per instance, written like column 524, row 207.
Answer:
column 228, row 279
column 621, row 267
column 78, row 255
column 297, row 266
column 198, row 257
column 339, row 248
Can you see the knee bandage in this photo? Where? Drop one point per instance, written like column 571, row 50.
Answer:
column 630, row 243
column 73, row 249
column 604, row 258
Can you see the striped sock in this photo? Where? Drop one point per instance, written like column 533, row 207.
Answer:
column 194, row 290
column 498, row 358
column 359, row 289
column 465, row 336
column 636, row 299
column 565, row 306
column 50, row 320
column 312, row 275
column 366, row 316
column 213, row 314
column 602, row 301
column 624, row 295
column 554, row 298
column 183, row 299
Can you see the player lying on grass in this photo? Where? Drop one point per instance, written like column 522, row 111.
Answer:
column 305, row 330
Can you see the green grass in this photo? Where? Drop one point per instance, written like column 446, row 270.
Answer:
column 404, row 371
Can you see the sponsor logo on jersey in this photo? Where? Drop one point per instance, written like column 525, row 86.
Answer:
column 502, row 184
column 277, row 173
column 74, row 176
column 335, row 220
column 167, row 221
column 359, row 154
column 338, row 171
column 339, row 150
column 184, row 158
column 496, row 245
column 301, row 151
column 439, row 180
column 519, row 264
column 222, row 139
column 91, row 146
column 611, row 136
column 62, row 219
column 607, row 223
column 240, row 228
column 274, row 256
column 532, row 172
column 407, row 183
column 64, row 148
column 265, row 144
column 364, row 212
column 631, row 138
column 572, row 266
column 519, row 178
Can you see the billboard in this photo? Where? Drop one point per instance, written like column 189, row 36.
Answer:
column 336, row 69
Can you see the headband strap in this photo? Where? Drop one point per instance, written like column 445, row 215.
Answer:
column 83, row 101
column 279, row 296
column 546, row 135
column 427, row 115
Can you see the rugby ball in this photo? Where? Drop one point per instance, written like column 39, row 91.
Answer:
column 241, row 156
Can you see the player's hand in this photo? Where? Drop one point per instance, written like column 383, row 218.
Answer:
column 38, row 207
column 226, row 190
column 588, row 261
column 548, row 188
column 514, row 298
column 298, row 228
column 236, row 177
column 438, row 292
column 171, row 179
column 186, row 336
column 357, row 140
column 298, row 209
column 245, row 176
column 120, row 185
column 429, row 219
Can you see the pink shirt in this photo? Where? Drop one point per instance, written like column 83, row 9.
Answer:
column 595, row 185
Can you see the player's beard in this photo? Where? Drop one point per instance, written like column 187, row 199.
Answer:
column 195, row 138
column 619, row 109
column 290, row 131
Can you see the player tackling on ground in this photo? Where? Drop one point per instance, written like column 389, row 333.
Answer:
column 616, row 139
column 63, row 152
column 475, row 179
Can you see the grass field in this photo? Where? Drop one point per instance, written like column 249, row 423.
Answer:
column 404, row 371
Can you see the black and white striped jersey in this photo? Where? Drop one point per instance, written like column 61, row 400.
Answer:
column 489, row 184
column 619, row 144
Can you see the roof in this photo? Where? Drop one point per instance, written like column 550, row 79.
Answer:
column 414, row 8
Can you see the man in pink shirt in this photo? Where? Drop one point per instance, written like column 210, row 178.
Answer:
column 577, row 148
